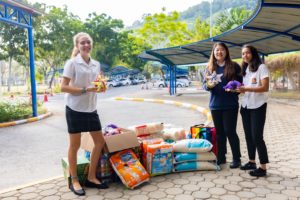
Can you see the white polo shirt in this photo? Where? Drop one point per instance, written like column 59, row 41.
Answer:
column 253, row 100
column 81, row 75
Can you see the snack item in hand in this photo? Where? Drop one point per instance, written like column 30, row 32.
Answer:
column 100, row 84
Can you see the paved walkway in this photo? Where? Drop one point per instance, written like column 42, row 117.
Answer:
column 282, row 136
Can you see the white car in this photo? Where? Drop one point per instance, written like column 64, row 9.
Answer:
column 184, row 79
column 160, row 83
column 111, row 83
column 141, row 80
column 125, row 81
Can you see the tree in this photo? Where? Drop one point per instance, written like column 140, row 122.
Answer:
column 54, row 39
column 232, row 18
column 286, row 64
column 104, row 31
column 201, row 31
column 13, row 41
column 162, row 30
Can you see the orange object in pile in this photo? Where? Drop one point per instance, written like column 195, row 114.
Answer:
column 129, row 169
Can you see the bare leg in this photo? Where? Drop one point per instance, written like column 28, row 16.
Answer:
column 98, row 146
column 263, row 166
column 72, row 157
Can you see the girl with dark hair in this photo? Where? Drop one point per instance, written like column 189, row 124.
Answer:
column 224, row 105
column 253, row 109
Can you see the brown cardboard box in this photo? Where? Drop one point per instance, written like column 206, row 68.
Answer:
column 125, row 140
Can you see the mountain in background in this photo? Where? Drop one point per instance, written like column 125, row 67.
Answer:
column 202, row 10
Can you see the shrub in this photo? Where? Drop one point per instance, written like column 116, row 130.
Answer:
column 17, row 109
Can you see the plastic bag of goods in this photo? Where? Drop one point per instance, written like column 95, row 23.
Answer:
column 129, row 168
column 192, row 145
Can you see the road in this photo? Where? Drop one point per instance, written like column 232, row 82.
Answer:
column 33, row 151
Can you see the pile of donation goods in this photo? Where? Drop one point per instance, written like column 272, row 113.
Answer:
column 136, row 153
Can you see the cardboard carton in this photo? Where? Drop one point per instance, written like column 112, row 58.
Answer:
column 82, row 169
column 114, row 143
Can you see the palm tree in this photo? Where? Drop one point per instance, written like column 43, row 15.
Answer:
column 229, row 19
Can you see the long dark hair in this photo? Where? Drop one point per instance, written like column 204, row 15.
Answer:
column 230, row 66
column 255, row 61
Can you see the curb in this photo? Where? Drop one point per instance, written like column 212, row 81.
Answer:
column 23, row 121
column 175, row 103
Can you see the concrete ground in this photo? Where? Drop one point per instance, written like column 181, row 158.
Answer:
column 282, row 137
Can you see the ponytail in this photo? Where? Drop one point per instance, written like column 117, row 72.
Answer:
column 75, row 52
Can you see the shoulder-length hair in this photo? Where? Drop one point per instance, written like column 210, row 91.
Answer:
column 230, row 72
column 255, row 61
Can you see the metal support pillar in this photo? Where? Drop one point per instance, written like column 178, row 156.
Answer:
column 32, row 75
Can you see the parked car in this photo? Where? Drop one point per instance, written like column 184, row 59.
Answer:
column 133, row 81
column 111, row 83
column 141, row 80
column 161, row 83
column 184, row 78
column 125, row 81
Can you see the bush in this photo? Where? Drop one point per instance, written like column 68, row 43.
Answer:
column 17, row 109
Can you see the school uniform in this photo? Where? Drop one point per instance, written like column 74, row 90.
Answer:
column 253, row 112
column 81, row 112
column 224, row 108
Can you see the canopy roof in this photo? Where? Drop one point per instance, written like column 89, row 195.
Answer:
column 23, row 6
column 273, row 28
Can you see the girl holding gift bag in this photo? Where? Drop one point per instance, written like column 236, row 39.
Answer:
column 253, row 109
column 81, row 114
column 224, row 105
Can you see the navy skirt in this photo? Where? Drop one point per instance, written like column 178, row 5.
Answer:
column 82, row 121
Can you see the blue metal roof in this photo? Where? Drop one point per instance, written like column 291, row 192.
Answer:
column 273, row 28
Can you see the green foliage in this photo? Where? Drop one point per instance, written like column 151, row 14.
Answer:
column 232, row 18
column 104, row 31
column 54, row 38
column 16, row 110
column 56, row 88
column 164, row 30
column 38, row 77
column 201, row 31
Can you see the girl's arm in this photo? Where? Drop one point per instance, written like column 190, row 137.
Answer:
column 65, row 87
column 264, row 87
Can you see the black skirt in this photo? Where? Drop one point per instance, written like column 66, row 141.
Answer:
column 82, row 121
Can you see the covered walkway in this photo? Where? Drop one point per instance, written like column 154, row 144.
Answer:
column 273, row 28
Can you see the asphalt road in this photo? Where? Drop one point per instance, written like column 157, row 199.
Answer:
column 33, row 151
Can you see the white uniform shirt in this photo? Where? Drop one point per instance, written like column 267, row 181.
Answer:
column 253, row 100
column 81, row 75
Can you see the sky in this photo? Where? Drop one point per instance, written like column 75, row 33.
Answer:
column 126, row 10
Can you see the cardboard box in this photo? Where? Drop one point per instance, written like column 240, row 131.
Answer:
column 82, row 169
column 114, row 143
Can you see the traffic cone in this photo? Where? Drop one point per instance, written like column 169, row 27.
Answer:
column 45, row 97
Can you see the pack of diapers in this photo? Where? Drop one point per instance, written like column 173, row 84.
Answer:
column 129, row 168
column 192, row 145
column 159, row 159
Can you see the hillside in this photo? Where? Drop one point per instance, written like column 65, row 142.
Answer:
column 202, row 10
